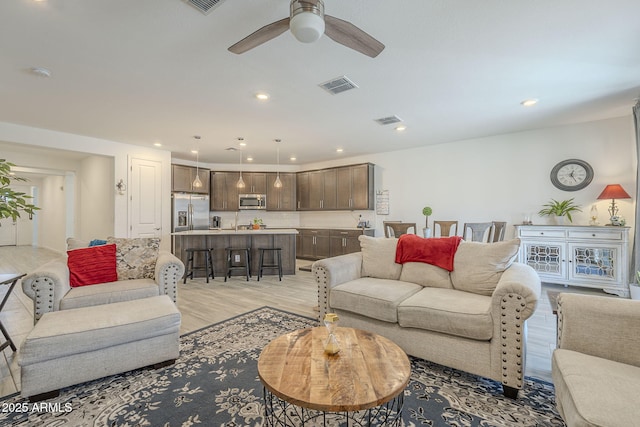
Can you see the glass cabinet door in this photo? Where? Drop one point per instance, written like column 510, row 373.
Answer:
column 598, row 263
column 547, row 258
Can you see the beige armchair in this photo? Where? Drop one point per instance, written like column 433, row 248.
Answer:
column 596, row 365
column 49, row 286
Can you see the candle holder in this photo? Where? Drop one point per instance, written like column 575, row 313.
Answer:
column 331, row 346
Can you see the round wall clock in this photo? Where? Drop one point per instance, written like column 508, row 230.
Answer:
column 571, row 175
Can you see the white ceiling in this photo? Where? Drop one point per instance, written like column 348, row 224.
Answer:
column 148, row 71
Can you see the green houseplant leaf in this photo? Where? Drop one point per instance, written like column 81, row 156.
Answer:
column 12, row 203
column 559, row 208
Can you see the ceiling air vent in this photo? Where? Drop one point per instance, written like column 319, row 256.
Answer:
column 338, row 85
column 231, row 149
column 204, row 6
column 388, row 120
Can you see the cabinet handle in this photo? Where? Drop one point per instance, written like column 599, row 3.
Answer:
column 542, row 233
column 593, row 235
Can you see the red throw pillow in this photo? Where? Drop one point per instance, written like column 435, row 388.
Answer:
column 88, row 266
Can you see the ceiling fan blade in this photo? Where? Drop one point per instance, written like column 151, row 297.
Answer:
column 263, row 35
column 349, row 35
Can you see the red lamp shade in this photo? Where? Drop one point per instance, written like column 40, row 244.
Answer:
column 614, row 191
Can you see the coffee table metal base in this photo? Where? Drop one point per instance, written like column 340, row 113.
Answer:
column 279, row 412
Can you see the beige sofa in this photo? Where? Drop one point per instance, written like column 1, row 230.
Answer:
column 472, row 318
column 596, row 365
column 143, row 271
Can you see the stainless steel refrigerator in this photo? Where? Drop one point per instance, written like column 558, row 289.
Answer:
column 190, row 212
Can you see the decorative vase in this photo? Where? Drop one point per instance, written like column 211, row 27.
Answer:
column 426, row 231
column 558, row 219
column 634, row 291
column 331, row 346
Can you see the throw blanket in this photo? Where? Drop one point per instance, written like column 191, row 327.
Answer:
column 439, row 251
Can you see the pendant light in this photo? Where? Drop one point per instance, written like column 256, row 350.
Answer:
column 197, row 183
column 240, row 183
column 278, row 183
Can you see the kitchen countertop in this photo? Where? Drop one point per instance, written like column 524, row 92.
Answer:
column 232, row 232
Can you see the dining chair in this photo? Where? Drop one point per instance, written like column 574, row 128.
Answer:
column 477, row 231
column 397, row 229
column 499, row 228
column 385, row 225
column 445, row 228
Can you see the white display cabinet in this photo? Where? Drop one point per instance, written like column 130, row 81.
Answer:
column 573, row 255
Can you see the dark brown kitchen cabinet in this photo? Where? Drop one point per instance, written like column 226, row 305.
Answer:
column 182, row 178
column 355, row 189
column 283, row 198
column 302, row 191
column 342, row 188
column 323, row 189
column 255, row 183
column 314, row 244
column 224, row 192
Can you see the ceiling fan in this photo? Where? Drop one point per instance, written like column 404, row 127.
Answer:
column 307, row 23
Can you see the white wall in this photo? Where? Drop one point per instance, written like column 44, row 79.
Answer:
column 53, row 212
column 121, row 154
column 501, row 177
column 96, row 198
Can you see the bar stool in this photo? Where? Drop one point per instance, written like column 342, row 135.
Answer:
column 246, row 266
column 277, row 260
column 190, row 268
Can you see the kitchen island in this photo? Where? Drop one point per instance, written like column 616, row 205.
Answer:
column 218, row 240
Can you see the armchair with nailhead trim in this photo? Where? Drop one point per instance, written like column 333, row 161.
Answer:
column 50, row 289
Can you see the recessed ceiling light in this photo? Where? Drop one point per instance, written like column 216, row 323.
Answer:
column 241, row 142
column 40, row 72
column 529, row 102
column 262, row 96
column 194, row 151
column 250, row 159
column 401, row 128
column 157, row 144
column 292, row 158
column 339, row 150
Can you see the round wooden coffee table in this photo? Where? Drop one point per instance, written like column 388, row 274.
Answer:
column 365, row 380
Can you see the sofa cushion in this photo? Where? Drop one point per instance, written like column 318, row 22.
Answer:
column 591, row 391
column 136, row 257
column 376, row 298
column 107, row 293
column 378, row 257
column 89, row 266
column 425, row 275
column 448, row 311
column 477, row 267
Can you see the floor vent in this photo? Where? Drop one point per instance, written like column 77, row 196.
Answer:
column 204, row 6
column 388, row 120
column 338, row 85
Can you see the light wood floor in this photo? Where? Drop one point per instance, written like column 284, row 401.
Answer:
column 202, row 304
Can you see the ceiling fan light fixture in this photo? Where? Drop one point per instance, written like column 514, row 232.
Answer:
column 307, row 21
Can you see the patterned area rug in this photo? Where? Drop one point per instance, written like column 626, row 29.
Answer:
column 215, row 383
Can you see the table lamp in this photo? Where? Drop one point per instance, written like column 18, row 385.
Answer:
column 613, row 192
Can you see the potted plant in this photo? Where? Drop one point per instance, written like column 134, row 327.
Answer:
column 257, row 222
column 559, row 210
column 12, row 202
column 426, row 211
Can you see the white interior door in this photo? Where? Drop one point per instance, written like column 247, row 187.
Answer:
column 145, row 198
column 8, row 232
